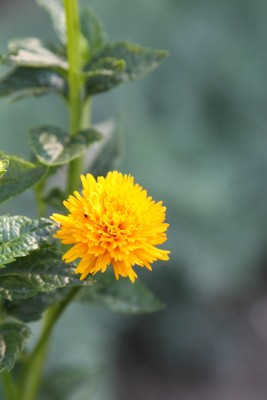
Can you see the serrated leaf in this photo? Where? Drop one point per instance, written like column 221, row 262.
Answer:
column 139, row 61
column 41, row 271
column 19, row 235
column 53, row 146
column 13, row 337
column 120, row 296
column 31, row 309
column 26, row 81
column 56, row 10
column 20, row 176
column 92, row 29
column 32, row 52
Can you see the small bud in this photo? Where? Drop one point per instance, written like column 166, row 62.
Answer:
column 3, row 167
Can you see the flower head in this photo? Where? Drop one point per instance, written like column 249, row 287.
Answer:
column 112, row 222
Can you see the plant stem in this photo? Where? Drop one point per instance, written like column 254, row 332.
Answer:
column 38, row 191
column 9, row 386
column 32, row 373
column 74, row 62
column 76, row 166
column 74, row 79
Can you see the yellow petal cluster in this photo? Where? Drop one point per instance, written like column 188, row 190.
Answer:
column 112, row 222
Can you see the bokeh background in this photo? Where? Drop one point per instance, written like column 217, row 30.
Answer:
column 195, row 136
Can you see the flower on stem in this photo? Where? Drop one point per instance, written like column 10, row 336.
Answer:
column 112, row 222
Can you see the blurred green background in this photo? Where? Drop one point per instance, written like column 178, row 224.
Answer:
column 195, row 137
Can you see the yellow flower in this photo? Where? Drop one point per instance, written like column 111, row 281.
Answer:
column 112, row 222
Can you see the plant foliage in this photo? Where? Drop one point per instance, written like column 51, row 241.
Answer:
column 33, row 277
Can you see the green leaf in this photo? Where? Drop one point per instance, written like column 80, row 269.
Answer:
column 120, row 296
column 56, row 10
column 32, row 52
column 41, row 271
column 31, row 309
column 53, row 146
column 19, row 235
column 139, row 61
column 92, row 29
column 27, row 81
column 20, row 176
column 103, row 75
column 13, row 337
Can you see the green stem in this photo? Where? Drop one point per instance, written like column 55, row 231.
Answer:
column 75, row 83
column 32, row 373
column 74, row 62
column 38, row 191
column 9, row 386
column 76, row 166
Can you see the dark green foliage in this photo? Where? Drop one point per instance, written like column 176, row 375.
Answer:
column 120, row 296
column 32, row 52
column 42, row 68
column 19, row 235
column 53, row 146
column 104, row 75
column 41, row 271
column 139, row 60
column 12, row 340
column 92, row 29
column 20, row 176
column 33, row 276
column 28, row 81
column 120, row 62
column 31, row 309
